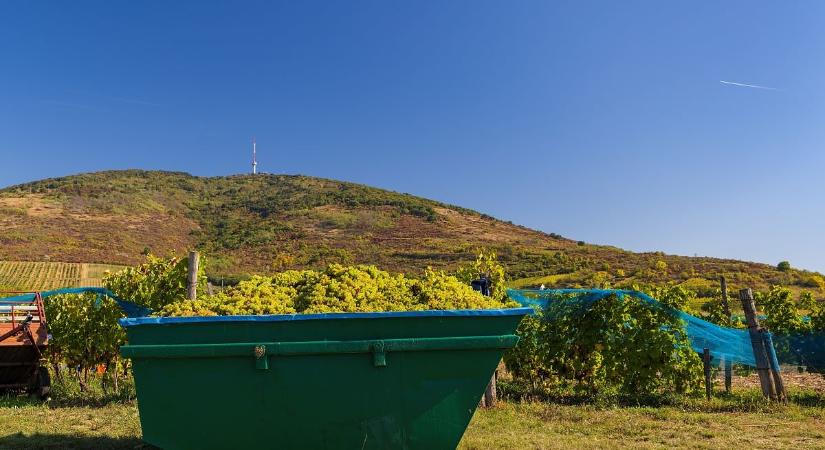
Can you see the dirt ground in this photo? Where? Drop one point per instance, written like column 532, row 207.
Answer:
column 790, row 376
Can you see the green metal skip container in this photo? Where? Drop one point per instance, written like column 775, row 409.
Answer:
column 399, row 380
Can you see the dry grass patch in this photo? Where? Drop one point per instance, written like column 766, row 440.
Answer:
column 35, row 426
column 547, row 426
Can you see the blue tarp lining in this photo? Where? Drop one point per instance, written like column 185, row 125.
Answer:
column 129, row 309
column 128, row 322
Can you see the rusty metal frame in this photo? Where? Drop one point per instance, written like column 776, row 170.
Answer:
column 18, row 327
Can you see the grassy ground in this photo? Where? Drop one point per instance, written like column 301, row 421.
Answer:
column 742, row 421
column 94, row 419
column 548, row 426
column 28, row 425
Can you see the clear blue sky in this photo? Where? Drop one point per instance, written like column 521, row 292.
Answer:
column 605, row 122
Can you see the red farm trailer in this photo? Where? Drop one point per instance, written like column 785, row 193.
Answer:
column 23, row 339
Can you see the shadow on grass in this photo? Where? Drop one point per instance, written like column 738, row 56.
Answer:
column 62, row 441
column 745, row 400
column 808, row 398
column 15, row 400
column 66, row 393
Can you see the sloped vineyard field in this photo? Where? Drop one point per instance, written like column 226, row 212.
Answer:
column 44, row 275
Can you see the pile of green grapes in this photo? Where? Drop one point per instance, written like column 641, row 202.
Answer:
column 338, row 289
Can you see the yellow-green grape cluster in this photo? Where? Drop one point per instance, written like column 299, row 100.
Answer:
column 256, row 296
column 353, row 289
column 438, row 290
column 338, row 289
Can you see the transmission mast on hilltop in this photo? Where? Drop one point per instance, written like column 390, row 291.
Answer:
column 254, row 158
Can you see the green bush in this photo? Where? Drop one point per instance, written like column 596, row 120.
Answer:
column 816, row 310
column 84, row 328
column 714, row 312
column 780, row 309
column 612, row 347
column 783, row 266
column 84, row 332
column 154, row 284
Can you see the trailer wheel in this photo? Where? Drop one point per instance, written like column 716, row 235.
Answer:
column 43, row 383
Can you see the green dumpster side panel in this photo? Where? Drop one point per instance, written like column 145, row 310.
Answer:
column 374, row 382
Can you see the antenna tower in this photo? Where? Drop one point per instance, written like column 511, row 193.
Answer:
column 254, row 157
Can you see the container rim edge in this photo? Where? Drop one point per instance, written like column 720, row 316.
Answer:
column 133, row 321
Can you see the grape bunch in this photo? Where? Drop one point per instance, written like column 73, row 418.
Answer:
column 338, row 288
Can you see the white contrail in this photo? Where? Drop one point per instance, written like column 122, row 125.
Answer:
column 133, row 101
column 748, row 85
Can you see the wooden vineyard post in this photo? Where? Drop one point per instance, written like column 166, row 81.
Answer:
column 192, row 276
column 759, row 353
column 490, row 395
column 774, row 365
column 726, row 307
column 706, row 362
